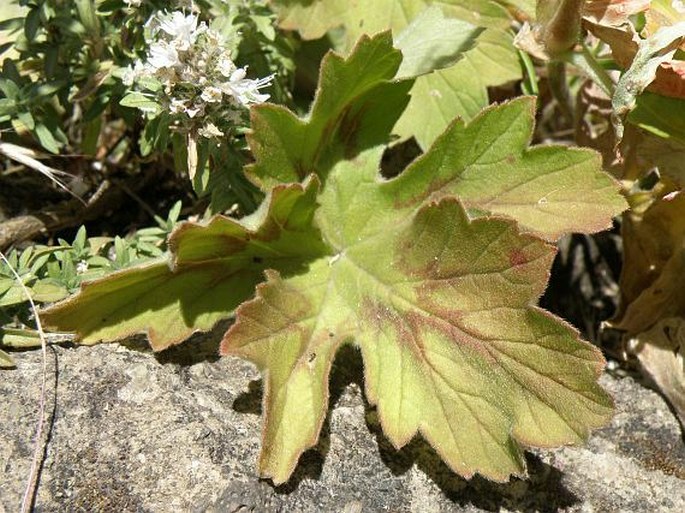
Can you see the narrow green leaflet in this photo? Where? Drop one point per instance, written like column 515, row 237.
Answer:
column 140, row 101
column 213, row 269
column 660, row 115
column 459, row 90
column 442, row 309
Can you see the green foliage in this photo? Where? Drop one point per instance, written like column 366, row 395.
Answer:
column 438, row 97
column 63, row 58
column 433, row 274
column 50, row 273
column 61, row 84
column 660, row 115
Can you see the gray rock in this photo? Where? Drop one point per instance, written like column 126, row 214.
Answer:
column 180, row 432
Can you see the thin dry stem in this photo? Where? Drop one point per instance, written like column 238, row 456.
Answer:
column 38, row 450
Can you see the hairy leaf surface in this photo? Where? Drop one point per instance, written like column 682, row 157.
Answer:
column 441, row 305
column 442, row 308
column 550, row 190
column 214, row 268
column 355, row 107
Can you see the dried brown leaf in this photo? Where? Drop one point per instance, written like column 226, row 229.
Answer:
column 660, row 351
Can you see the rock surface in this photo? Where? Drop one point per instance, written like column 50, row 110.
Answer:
column 180, row 432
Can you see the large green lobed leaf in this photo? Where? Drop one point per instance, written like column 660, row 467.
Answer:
column 441, row 304
column 442, row 309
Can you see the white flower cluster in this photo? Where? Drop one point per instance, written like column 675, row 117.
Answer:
column 194, row 67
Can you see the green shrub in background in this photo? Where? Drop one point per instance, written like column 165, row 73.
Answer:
column 68, row 82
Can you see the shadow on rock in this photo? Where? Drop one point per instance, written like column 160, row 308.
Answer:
column 542, row 491
column 250, row 401
column 201, row 347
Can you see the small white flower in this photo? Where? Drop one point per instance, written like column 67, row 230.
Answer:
column 246, row 90
column 129, row 76
column 210, row 130
column 189, row 74
column 162, row 55
column 198, row 77
column 81, row 267
column 214, row 39
column 211, row 94
column 182, row 28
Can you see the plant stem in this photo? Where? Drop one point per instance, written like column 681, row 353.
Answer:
column 559, row 88
column 587, row 63
column 530, row 82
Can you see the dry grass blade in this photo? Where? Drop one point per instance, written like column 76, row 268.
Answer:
column 29, row 158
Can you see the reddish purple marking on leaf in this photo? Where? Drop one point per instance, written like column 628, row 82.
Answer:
column 454, row 332
column 411, row 327
column 426, row 295
column 517, row 257
column 232, row 245
column 376, row 314
column 349, row 130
